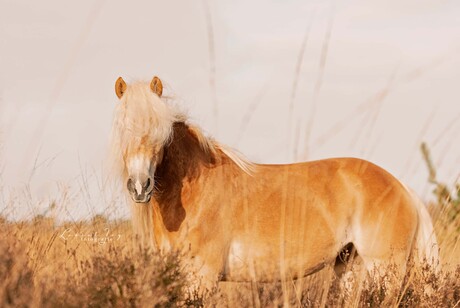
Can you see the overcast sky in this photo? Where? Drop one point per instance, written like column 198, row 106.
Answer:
column 294, row 80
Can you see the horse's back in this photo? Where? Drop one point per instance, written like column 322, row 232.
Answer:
column 337, row 183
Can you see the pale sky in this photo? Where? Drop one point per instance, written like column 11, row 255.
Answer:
column 390, row 80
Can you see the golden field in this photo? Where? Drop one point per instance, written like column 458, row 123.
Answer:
column 100, row 263
column 97, row 263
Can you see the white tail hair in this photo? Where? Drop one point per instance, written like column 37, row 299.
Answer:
column 426, row 244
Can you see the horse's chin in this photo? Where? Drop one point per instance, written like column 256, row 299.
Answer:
column 142, row 201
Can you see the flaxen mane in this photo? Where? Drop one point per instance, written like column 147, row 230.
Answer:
column 148, row 116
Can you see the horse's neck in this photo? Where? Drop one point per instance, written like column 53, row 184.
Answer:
column 184, row 160
column 183, row 155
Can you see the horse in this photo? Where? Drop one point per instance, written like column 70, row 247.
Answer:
column 245, row 222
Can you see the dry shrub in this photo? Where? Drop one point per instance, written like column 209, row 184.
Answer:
column 422, row 288
column 40, row 269
column 139, row 279
column 15, row 276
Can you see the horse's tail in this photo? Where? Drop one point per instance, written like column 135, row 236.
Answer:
column 426, row 245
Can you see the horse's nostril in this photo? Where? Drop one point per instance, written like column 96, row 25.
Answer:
column 147, row 183
column 130, row 185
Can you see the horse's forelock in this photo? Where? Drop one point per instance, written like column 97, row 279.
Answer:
column 141, row 118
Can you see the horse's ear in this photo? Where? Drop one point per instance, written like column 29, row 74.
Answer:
column 120, row 87
column 156, row 86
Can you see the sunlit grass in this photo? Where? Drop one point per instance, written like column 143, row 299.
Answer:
column 97, row 263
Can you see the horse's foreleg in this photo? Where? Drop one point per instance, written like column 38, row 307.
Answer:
column 205, row 275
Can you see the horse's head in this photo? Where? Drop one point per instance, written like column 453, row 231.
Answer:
column 142, row 126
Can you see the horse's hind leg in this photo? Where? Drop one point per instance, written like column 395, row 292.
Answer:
column 347, row 267
column 384, row 246
column 345, row 260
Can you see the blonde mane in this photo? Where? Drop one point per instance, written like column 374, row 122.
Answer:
column 211, row 146
column 141, row 114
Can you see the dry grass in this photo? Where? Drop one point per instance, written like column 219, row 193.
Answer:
column 84, row 264
column 96, row 263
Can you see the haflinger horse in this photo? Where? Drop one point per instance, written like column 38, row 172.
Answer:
column 242, row 221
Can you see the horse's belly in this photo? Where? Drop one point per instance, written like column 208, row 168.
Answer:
column 248, row 262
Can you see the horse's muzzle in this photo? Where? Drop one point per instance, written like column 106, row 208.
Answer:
column 140, row 188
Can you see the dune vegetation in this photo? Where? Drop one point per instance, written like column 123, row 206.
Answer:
column 97, row 263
